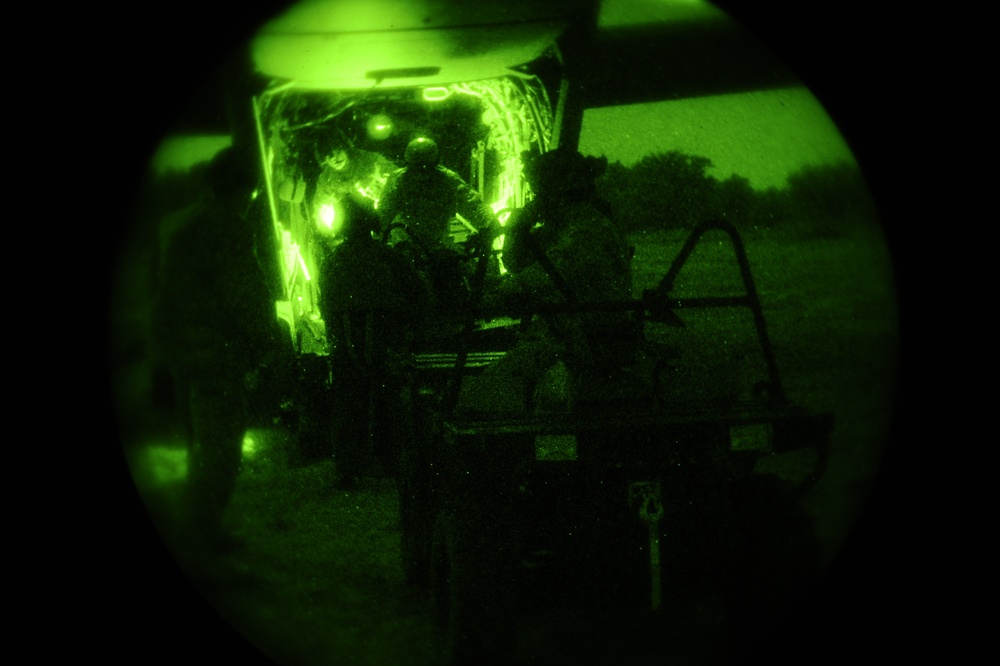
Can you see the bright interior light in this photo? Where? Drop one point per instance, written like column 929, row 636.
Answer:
column 249, row 445
column 436, row 94
column 379, row 126
column 327, row 215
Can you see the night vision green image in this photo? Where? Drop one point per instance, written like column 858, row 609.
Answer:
column 448, row 333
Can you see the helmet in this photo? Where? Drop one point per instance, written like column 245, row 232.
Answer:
column 421, row 153
column 564, row 172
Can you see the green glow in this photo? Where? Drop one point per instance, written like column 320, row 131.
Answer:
column 380, row 127
column 180, row 153
column 165, row 464
column 305, row 269
column 335, row 45
column 250, row 446
column 327, row 215
column 436, row 94
column 617, row 13
column 515, row 116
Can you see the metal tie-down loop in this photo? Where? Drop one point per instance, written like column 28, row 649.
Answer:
column 647, row 495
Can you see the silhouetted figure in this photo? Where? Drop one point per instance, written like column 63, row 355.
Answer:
column 213, row 324
column 372, row 301
column 562, row 248
column 416, row 209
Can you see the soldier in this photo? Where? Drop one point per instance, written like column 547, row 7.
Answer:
column 416, row 209
column 212, row 327
column 372, row 301
column 562, row 248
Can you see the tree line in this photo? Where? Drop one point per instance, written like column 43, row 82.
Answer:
column 673, row 190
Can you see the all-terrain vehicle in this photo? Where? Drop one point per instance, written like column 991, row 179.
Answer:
column 634, row 501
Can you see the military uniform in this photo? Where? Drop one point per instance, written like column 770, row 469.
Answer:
column 562, row 248
column 416, row 208
column 372, row 301
column 425, row 201
column 212, row 325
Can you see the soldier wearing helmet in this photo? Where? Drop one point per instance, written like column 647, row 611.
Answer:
column 422, row 153
column 562, row 248
column 417, row 207
column 424, row 196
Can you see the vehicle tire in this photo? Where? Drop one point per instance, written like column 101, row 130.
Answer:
column 442, row 549
column 777, row 554
column 468, row 596
column 314, row 427
column 416, row 521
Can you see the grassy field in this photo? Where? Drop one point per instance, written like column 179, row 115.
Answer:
column 831, row 315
